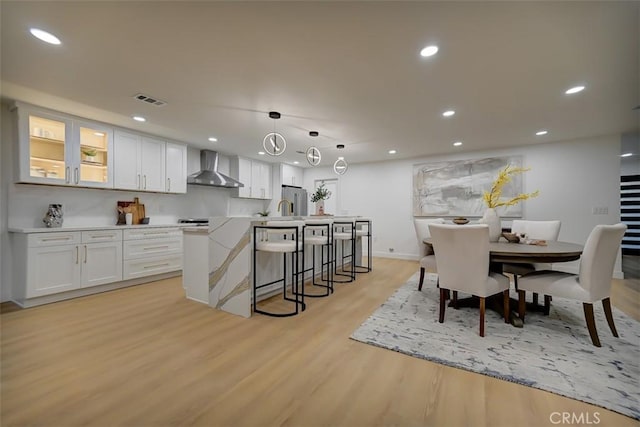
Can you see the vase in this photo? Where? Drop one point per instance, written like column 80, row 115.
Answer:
column 53, row 217
column 320, row 207
column 492, row 219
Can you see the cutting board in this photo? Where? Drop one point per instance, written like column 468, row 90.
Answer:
column 136, row 208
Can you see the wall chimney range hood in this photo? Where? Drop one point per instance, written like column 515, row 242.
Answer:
column 209, row 174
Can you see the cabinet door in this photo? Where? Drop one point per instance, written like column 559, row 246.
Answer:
column 45, row 153
column 260, row 180
column 52, row 269
column 287, row 175
column 101, row 263
column 126, row 150
column 93, row 154
column 244, row 176
column 176, row 169
column 152, row 164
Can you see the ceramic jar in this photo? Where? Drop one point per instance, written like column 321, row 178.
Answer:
column 53, row 217
column 320, row 207
column 492, row 219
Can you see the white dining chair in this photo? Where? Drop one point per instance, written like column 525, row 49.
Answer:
column 427, row 259
column 537, row 230
column 462, row 256
column 591, row 284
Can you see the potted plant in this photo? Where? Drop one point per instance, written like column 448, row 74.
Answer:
column 319, row 196
column 90, row 154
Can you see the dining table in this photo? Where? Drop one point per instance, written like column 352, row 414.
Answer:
column 502, row 252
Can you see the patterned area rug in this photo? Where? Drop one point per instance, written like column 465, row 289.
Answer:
column 552, row 353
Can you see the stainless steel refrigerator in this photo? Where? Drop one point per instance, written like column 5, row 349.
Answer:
column 298, row 198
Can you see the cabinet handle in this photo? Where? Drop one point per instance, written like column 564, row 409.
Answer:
column 98, row 236
column 85, row 254
column 138, row 182
column 50, row 239
column 77, row 254
column 168, row 184
column 76, row 175
column 155, row 247
column 67, row 175
column 145, row 182
column 155, row 232
column 156, row 265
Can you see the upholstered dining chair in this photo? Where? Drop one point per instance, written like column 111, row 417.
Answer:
column 538, row 230
column 591, row 284
column 462, row 256
column 427, row 259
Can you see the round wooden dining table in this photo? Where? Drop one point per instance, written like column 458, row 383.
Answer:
column 504, row 252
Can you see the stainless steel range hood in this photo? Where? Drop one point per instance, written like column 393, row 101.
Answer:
column 209, row 174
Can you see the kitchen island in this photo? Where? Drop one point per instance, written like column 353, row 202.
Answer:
column 218, row 263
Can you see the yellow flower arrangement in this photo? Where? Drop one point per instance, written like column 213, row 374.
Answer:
column 492, row 198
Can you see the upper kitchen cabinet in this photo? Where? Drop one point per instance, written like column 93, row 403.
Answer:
column 176, row 168
column 140, row 162
column 291, row 175
column 62, row 150
column 255, row 175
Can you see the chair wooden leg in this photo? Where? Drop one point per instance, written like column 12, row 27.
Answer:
column 455, row 299
column 547, row 304
column 506, row 309
column 606, row 304
column 482, row 316
column 535, row 298
column 515, row 281
column 442, row 304
column 522, row 304
column 591, row 323
column 421, row 278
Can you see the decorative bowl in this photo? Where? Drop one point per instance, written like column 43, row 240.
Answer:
column 511, row 237
column 460, row 221
column 144, row 220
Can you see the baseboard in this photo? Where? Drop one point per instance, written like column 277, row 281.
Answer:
column 396, row 255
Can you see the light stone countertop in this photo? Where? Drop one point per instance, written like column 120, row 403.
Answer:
column 97, row 227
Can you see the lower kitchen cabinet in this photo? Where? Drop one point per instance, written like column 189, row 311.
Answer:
column 152, row 251
column 67, row 263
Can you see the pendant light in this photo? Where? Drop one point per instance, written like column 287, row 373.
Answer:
column 274, row 143
column 340, row 166
column 313, row 153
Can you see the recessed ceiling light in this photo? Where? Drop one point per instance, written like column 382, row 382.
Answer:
column 296, row 162
column 392, row 151
column 542, row 132
column 448, row 113
column 626, row 155
column 261, row 153
column 575, row 89
column 44, row 36
column 457, row 143
column 212, row 139
column 429, row 51
column 98, row 134
column 139, row 119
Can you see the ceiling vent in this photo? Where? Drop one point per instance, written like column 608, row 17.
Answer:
column 149, row 100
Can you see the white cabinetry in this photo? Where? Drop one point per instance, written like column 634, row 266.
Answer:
column 255, row 175
column 151, row 251
column 291, row 175
column 54, row 148
column 62, row 261
column 139, row 162
column 176, row 169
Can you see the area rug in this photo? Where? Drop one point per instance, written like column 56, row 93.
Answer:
column 552, row 353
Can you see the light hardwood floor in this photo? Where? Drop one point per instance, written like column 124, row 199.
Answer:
column 146, row 356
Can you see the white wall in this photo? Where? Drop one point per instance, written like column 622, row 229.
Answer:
column 24, row 205
column 572, row 176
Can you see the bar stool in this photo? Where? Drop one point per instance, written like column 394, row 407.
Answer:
column 344, row 231
column 317, row 232
column 280, row 237
column 360, row 232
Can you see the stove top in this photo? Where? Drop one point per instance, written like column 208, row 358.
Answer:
column 194, row 221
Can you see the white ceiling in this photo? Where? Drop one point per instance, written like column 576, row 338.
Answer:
column 350, row 70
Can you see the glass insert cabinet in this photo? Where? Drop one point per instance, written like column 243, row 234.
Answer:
column 63, row 150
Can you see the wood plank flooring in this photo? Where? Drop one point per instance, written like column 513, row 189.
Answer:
column 146, row 356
